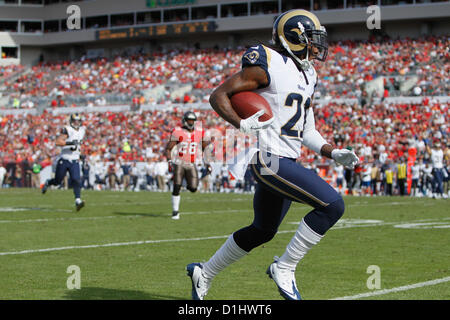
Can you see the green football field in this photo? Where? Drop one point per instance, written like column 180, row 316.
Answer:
column 126, row 246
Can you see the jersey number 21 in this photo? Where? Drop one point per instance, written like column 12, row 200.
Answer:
column 289, row 128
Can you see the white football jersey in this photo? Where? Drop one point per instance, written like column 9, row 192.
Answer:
column 437, row 158
column 72, row 152
column 339, row 169
column 289, row 94
column 367, row 170
column 415, row 171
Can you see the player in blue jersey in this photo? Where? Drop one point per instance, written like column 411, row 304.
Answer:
column 285, row 76
column 69, row 140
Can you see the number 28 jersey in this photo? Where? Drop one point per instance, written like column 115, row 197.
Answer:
column 289, row 94
column 187, row 148
column 72, row 152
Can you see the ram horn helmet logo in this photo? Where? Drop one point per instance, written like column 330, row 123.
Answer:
column 252, row 56
column 281, row 24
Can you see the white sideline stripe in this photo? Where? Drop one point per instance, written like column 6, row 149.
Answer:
column 397, row 289
column 62, row 219
column 169, row 214
column 117, row 216
column 117, row 244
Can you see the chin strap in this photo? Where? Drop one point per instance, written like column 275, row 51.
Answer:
column 305, row 64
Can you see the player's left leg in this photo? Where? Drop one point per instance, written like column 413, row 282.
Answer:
column 413, row 188
column 178, row 176
column 74, row 171
column 295, row 182
column 439, row 176
column 191, row 176
column 60, row 172
column 269, row 211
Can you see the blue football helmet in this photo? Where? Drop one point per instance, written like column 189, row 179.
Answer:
column 75, row 120
column 297, row 31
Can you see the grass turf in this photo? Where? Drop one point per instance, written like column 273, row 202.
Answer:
column 128, row 247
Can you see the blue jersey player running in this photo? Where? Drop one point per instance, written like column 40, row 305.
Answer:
column 69, row 140
column 284, row 75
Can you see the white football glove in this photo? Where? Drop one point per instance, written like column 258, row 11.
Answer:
column 252, row 124
column 345, row 157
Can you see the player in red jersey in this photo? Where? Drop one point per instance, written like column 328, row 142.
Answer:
column 182, row 151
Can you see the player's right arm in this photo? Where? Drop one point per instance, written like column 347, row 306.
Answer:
column 168, row 152
column 248, row 79
column 62, row 138
column 173, row 141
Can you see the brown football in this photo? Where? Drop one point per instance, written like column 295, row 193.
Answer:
column 247, row 103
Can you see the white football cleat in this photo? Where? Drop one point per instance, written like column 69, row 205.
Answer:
column 200, row 284
column 79, row 205
column 285, row 281
column 175, row 215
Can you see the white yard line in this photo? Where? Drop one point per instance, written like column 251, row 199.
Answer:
column 143, row 215
column 114, row 244
column 118, row 244
column 165, row 214
column 397, row 289
column 61, row 219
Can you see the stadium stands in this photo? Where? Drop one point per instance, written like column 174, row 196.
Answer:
column 349, row 115
column 407, row 67
column 29, row 138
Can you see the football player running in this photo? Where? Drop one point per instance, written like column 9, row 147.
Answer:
column 437, row 160
column 284, row 75
column 182, row 153
column 69, row 140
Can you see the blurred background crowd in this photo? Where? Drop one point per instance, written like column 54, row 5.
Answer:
column 350, row 114
column 407, row 67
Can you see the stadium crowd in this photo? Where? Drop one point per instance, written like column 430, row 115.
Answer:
column 8, row 70
column 383, row 134
column 349, row 66
column 126, row 75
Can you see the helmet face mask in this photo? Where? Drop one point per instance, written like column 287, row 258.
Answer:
column 300, row 33
column 319, row 40
column 189, row 119
column 75, row 121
